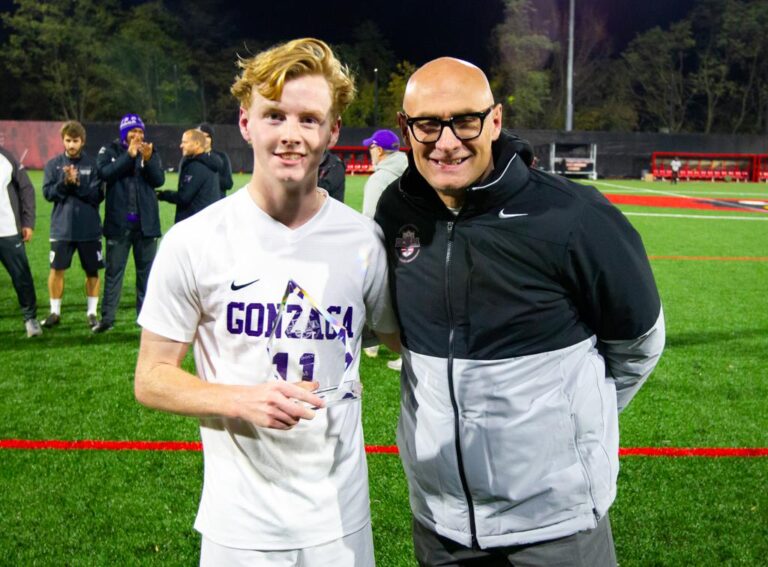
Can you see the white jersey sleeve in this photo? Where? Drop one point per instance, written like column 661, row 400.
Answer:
column 380, row 315
column 171, row 307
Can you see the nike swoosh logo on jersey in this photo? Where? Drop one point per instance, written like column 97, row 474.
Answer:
column 234, row 287
column 503, row 215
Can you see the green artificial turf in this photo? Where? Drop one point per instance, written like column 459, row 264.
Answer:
column 137, row 507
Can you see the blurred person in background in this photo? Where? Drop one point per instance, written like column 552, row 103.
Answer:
column 332, row 175
column 198, row 178
column 389, row 163
column 71, row 182
column 225, row 171
column 17, row 224
column 132, row 171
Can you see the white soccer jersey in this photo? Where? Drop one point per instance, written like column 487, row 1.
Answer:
column 218, row 280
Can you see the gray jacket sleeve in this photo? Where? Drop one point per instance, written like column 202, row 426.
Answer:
column 26, row 197
column 374, row 187
column 630, row 362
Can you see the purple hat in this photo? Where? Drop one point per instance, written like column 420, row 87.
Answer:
column 385, row 139
column 128, row 123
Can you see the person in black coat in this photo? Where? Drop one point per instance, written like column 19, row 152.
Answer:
column 331, row 175
column 198, row 178
column 132, row 170
column 72, row 184
column 225, row 170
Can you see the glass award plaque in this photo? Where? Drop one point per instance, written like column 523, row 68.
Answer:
column 305, row 342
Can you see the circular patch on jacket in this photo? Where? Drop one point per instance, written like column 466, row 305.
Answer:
column 407, row 244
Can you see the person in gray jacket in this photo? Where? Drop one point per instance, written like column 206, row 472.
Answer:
column 17, row 224
column 389, row 163
column 72, row 184
column 529, row 319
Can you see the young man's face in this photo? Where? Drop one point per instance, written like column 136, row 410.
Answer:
column 73, row 146
column 289, row 136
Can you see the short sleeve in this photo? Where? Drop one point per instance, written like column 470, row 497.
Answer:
column 172, row 306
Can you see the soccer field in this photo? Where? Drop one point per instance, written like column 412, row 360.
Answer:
column 130, row 503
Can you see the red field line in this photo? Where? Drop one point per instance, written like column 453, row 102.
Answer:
column 714, row 258
column 93, row 445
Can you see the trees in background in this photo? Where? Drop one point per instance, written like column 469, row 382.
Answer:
column 705, row 73
column 55, row 54
column 88, row 60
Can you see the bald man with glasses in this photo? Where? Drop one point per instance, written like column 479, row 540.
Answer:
column 529, row 319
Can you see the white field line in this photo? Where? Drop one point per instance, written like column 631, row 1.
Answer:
column 680, row 195
column 699, row 217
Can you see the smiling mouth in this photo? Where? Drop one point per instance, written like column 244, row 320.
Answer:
column 290, row 156
column 449, row 162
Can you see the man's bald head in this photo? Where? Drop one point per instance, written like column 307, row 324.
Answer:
column 444, row 78
column 452, row 93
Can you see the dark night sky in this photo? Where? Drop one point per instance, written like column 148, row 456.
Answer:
column 420, row 30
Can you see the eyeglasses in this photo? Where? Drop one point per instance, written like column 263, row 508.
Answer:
column 428, row 129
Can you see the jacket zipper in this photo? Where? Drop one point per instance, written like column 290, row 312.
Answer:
column 456, row 429
column 584, row 469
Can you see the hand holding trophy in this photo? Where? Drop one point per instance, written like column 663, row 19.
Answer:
column 313, row 344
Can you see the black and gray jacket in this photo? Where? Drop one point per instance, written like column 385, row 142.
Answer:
column 131, row 184
column 528, row 322
column 75, row 215
column 17, row 196
column 198, row 186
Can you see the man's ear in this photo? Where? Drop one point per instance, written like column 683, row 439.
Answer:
column 242, row 123
column 335, row 131
column 401, row 120
column 496, row 115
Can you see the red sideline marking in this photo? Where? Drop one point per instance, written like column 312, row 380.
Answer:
column 91, row 445
column 715, row 258
column 672, row 202
column 391, row 449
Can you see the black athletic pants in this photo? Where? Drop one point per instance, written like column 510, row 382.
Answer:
column 144, row 250
column 590, row 548
column 14, row 257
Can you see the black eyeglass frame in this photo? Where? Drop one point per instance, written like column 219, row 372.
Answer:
column 410, row 121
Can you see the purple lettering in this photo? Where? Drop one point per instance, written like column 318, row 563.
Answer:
column 250, row 329
column 330, row 332
column 234, row 325
column 348, row 322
